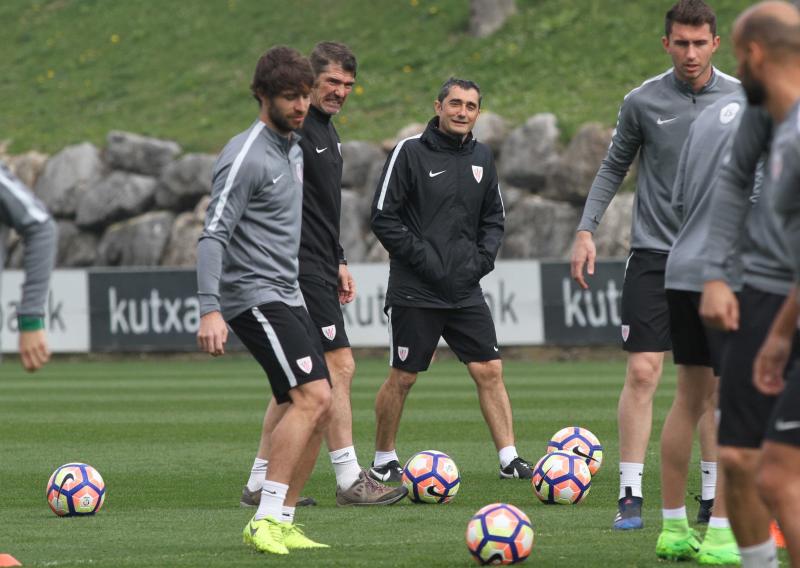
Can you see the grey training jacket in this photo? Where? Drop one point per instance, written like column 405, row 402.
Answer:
column 709, row 143
column 738, row 206
column 247, row 253
column 654, row 120
column 20, row 210
column 784, row 178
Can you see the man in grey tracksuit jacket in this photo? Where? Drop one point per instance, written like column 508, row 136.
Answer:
column 21, row 211
column 247, row 273
column 654, row 121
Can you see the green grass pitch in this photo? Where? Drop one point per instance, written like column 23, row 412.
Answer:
column 174, row 440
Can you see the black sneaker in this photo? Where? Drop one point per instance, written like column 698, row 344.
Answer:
column 390, row 472
column 705, row 510
column 518, row 468
column 629, row 515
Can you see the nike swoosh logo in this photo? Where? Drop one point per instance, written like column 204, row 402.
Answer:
column 271, row 492
column 320, row 151
column 584, row 455
column 661, row 121
column 495, row 348
column 782, row 426
column 253, row 530
column 433, row 175
column 68, row 477
column 707, row 472
column 275, row 180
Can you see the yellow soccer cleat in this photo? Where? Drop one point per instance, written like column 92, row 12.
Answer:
column 265, row 535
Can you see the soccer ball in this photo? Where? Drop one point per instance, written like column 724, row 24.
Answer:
column 579, row 441
column 561, row 477
column 431, row 477
column 499, row 534
column 75, row 489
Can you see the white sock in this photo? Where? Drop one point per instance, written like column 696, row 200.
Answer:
column 630, row 475
column 719, row 523
column 273, row 494
column 708, row 473
column 345, row 465
column 257, row 475
column 382, row 458
column 507, row 455
column 287, row 514
column 764, row 555
column 679, row 513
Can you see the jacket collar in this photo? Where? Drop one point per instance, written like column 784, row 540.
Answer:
column 315, row 114
column 282, row 142
column 440, row 140
column 685, row 88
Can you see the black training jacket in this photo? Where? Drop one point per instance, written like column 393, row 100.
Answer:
column 438, row 211
column 320, row 251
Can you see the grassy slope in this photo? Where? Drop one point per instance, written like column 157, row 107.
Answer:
column 73, row 70
column 175, row 440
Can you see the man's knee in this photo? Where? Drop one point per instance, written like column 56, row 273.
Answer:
column 487, row 373
column 341, row 365
column 314, row 398
column 402, row 380
column 739, row 464
column 644, row 370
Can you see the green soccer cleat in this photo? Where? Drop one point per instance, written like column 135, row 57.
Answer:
column 677, row 541
column 719, row 549
column 265, row 535
column 295, row 538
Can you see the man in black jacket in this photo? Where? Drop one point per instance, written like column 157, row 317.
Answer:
column 326, row 283
column 439, row 213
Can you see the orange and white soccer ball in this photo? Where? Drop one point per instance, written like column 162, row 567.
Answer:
column 431, row 477
column 581, row 442
column 75, row 489
column 499, row 534
column 561, row 477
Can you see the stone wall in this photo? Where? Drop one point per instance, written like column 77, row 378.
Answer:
column 141, row 201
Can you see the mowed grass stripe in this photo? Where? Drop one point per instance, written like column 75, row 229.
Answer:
column 175, row 441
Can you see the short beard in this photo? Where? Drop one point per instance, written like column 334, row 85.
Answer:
column 279, row 121
column 753, row 89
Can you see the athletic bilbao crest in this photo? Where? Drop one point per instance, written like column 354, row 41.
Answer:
column 298, row 168
column 402, row 352
column 477, row 171
column 305, row 364
column 626, row 331
column 329, row 332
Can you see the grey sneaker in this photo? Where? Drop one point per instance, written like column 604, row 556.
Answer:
column 253, row 498
column 367, row 491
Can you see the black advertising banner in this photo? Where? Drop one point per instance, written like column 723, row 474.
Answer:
column 148, row 310
column 582, row 317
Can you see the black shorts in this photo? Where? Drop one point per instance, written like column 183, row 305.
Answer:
column 744, row 411
column 285, row 343
column 692, row 342
column 415, row 332
column 784, row 424
column 645, row 314
column 322, row 301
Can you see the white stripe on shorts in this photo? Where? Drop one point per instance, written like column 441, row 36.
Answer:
column 391, row 341
column 276, row 346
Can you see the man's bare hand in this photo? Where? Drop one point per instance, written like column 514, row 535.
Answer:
column 33, row 350
column 771, row 362
column 719, row 307
column 347, row 286
column 583, row 255
column 213, row 334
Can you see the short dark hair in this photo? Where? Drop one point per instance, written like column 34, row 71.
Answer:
column 465, row 84
column 776, row 35
column 281, row 69
column 327, row 52
column 690, row 13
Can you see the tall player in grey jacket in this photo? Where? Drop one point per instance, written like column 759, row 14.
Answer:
column 247, row 272
column 693, row 345
column 654, row 120
column 20, row 210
